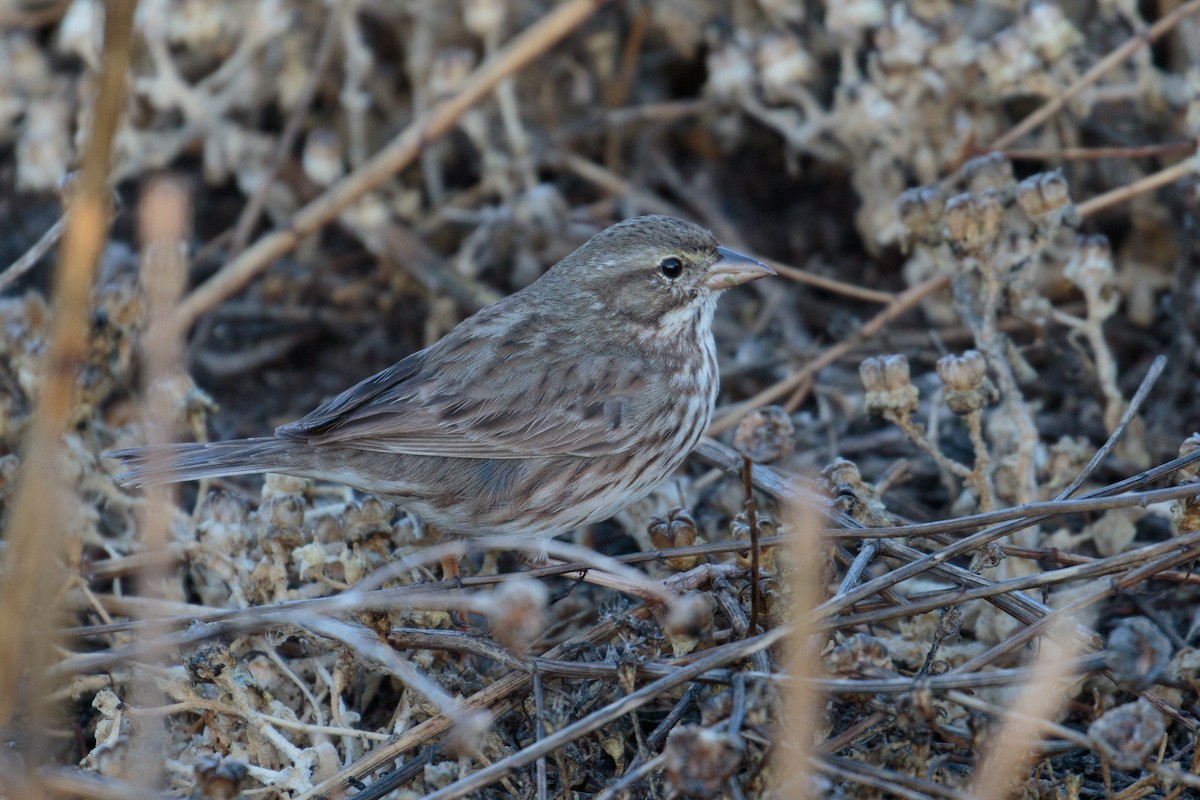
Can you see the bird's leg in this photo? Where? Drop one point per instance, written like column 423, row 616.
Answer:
column 752, row 520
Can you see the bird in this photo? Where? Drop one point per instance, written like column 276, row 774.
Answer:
column 556, row 407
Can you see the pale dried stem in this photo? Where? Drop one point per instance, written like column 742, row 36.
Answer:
column 35, row 525
column 33, row 255
column 396, row 155
column 1163, row 177
column 993, row 345
column 981, row 472
column 829, row 284
column 1013, row 748
column 164, row 225
column 1094, row 153
column 802, row 702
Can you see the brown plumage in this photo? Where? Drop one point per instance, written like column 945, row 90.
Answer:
column 555, row 407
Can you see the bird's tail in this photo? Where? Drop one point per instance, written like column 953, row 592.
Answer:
column 171, row 463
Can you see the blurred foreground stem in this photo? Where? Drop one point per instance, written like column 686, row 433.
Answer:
column 36, row 524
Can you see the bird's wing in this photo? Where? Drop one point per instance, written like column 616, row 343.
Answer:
column 510, row 401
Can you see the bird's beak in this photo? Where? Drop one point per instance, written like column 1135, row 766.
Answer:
column 733, row 269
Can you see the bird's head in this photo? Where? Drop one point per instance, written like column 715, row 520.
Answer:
column 655, row 270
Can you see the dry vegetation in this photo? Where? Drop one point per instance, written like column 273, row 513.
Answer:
column 975, row 573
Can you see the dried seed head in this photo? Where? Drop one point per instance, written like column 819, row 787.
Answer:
column 1189, row 446
column 209, row 660
column 920, row 210
column 844, row 483
column 765, row 435
column 903, row 43
column 689, row 617
column 224, row 508
column 860, row 656
column 692, row 613
column 44, row 151
column 972, row 223
column 1185, row 513
column 276, row 484
column 1051, row 34
column 1128, row 734
column 322, row 157
column 468, row 732
column 888, row 385
column 517, row 611
column 739, row 528
column 367, row 518
column 1042, row 194
column 992, row 171
column 786, row 10
column 1138, row 653
column 698, row 761
column 677, row 529
column 449, row 71
column 484, row 17
column 730, row 73
column 968, row 388
column 283, row 515
column 850, row 19
column 1091, row 267
column 218, row 778
column 783, row 64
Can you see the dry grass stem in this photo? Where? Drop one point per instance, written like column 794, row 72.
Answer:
column 34, row 529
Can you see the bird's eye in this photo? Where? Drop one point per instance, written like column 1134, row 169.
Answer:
column 671, row 267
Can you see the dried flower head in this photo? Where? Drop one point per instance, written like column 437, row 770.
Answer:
column 689, row 620
column 765, row 435
column 484, row 17
column 677, row 529
column 1091, row 267
column 783, row 64
column 1138, row 653
column 367, row 518
column 1051, row 33
column 1043, row 194
column 992, row 171
column 739, row 528
column 920, row 210
column 1190, row 445
column 843, row 481
column 973, row 222
column 1185, row 513
column 888, row 384
column 860, row 656
column 219, row 778
column 698, row 761
column 968, row 388
column 322, row 157
column 850, row 19
column 1128, row 734
column 517, row 611
column 730, row 72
